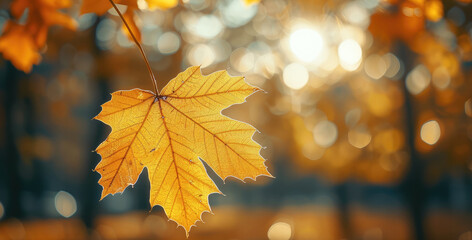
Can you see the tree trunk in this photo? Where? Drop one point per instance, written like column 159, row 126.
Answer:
column 12, row 160
column 412, row 187
column 341, row 191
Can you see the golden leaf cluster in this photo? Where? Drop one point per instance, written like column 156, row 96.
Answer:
column 21, row 43
column 101, row 7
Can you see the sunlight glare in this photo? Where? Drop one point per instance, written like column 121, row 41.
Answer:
column 325, row 133
column 142, row 5
column 201, row 54
column 280, row 231
column 207, row 26
column 242, row 60
column 468, row 107
column 418, row 79
column 295, row 76
column 359, row 137
column 375, row 66
column 65, row 204
column 393, row 65
column 168, row 43
column 355, row 13
column 350, row 54
column 306, row 44
column 430, row 132
column 441, row 78
column 352, row 117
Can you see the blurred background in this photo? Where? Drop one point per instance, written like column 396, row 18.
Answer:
column 366, row 119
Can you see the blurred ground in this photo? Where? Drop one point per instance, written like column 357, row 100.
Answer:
column 304, row 222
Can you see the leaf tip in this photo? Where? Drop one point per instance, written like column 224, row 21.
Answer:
column 269, row 175
column 261, row 90
column 103, row 195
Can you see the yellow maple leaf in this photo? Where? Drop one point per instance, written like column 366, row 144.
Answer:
column 167, row 133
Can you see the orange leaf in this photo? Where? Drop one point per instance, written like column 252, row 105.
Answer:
column 162, row 4
column 168, row 133
column 129, row 18
column 100, row 8
column 30, row 37
column 91, row 6
column 97, row 7
column 19, row 47
column 43, row 13
column 434, row 10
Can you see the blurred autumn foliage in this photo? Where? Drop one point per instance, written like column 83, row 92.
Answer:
column 21, row 43
column 367, row 115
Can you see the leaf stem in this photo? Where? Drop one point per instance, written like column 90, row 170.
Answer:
column 151, row 74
